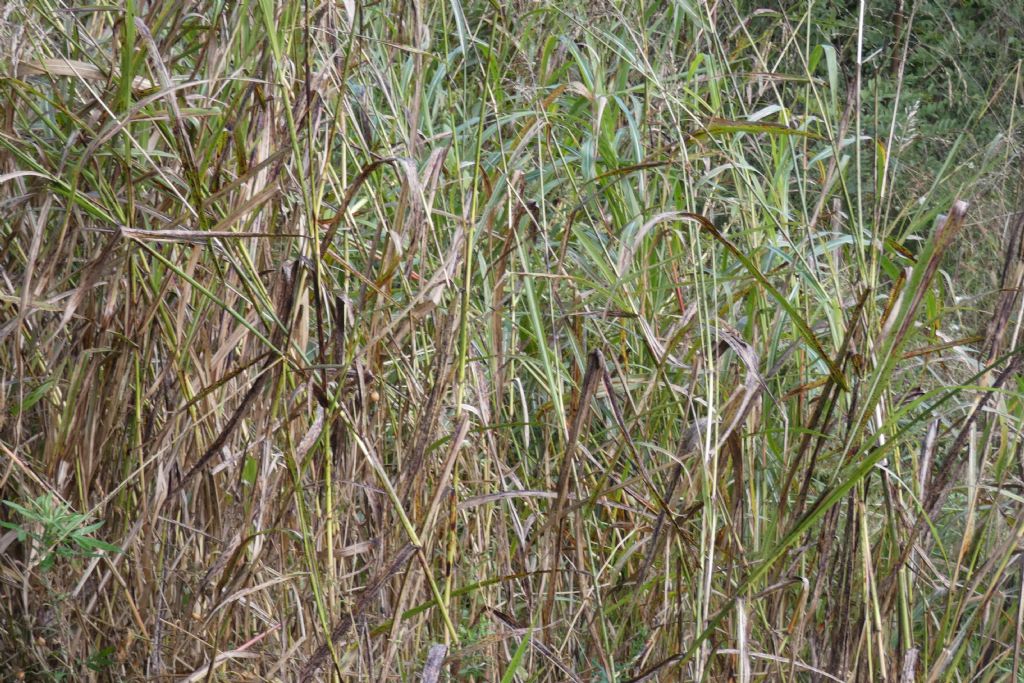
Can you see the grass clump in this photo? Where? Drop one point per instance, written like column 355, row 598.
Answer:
column 526, row 341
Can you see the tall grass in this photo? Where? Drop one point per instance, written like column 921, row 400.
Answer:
column 496, row 341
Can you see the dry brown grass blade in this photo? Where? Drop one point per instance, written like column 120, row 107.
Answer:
column 951, row 467
column 947, row 473
column 556, row 518
column 1011, row 283
column 945, row 233
column 285, row 304
column 60, row 66
column 362, row 604
column 350, row 193
column 37, row 231
column 167, row 86
column 442, row 490
column 690, row 443
column 823, row 409
column 430, row 409
column 93, row 272
column 541, row 648
column 225, row 433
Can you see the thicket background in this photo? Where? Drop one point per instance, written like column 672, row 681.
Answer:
column 525, row 341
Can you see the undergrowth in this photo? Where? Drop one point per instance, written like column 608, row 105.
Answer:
column 506, row 341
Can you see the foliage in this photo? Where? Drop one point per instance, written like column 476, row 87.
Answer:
column 593, row 340
column 55, row 531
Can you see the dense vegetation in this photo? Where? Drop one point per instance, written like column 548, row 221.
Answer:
column 497, row 341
